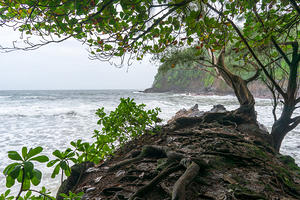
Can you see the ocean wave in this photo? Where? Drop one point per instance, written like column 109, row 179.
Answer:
column 37, row 115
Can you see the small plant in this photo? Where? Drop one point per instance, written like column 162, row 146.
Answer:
column 63, row 158
column 86, row 152
column 24, row 171
column 128, row 121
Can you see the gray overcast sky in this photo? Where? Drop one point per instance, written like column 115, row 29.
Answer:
column 66, row 66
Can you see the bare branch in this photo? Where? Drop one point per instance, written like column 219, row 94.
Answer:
column 256, row 75
column 295, row 121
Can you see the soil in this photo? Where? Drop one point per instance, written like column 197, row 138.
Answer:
column 214, row 156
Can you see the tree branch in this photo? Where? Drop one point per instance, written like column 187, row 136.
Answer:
column 277, row 47
column 278, row 88
column 296, row 122
column 256, row 75
column 296, row 7
column 159, row 20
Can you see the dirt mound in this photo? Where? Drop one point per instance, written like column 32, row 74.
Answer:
column 214, row 156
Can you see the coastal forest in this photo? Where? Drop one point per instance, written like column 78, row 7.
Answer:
column 217, row 154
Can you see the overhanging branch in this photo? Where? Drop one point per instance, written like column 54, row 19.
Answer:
column 278, row 88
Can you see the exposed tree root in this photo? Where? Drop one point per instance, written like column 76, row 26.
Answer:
column 125, row 162
column 166, row 172
column 147, row 152
column 150, row 152
column 192, row 169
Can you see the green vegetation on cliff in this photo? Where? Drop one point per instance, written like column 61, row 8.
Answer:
column 183, row 78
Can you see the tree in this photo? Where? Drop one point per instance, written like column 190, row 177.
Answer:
column 135, row 27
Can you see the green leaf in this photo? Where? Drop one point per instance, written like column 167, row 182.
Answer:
column 20, row 177
column 28, row 167
column 6, row 193
column 63, row 165
column 13, row 155
column 41, row 159
column 15, row 172
column 68, row 171
column 27, row 195
column 24, row 152
column 36, row 178
column 9, row 168
column 55, row 171
column 58, row 154
column 26, row 184
column 35, row 151
column 9, row 181
column 52, row 162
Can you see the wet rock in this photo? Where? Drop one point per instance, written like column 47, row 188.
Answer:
column 97, row 180
column 120, row 173
column 90, row 189
column 219, row 108
column 192, row 112
column 92, row 169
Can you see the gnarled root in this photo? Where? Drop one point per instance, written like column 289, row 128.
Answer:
column 166, row 172
column 150, row 151
column 192, row 169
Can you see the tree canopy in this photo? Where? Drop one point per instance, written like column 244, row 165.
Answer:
column 263, row 34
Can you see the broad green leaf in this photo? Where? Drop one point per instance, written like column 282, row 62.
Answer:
column 68, row 172
column 15, row 172
column 41, row 159
column 26, row 184
column 35, row 151
column 13, row 155
column 55, row 171
column 52, row 162
column 9, row 181
column 36, row 178
column 58, row 154
column 28, row 167
column 6, row 193
column 27, row 195
column 10, row 167
column 20, row 177
column 63, row 165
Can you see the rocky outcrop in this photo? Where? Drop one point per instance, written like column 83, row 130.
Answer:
column 212, row 155
column 198, row 82
column 195, row 112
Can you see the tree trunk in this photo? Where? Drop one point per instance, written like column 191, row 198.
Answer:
column 281, row 127
column 243, row 94
column 286, row 123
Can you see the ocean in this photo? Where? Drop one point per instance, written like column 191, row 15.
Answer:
column 52, row 119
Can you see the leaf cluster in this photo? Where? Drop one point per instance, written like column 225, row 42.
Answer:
column 24, row 171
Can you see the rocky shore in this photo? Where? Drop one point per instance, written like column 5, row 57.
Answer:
column 257, row 88
column 196, row 155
